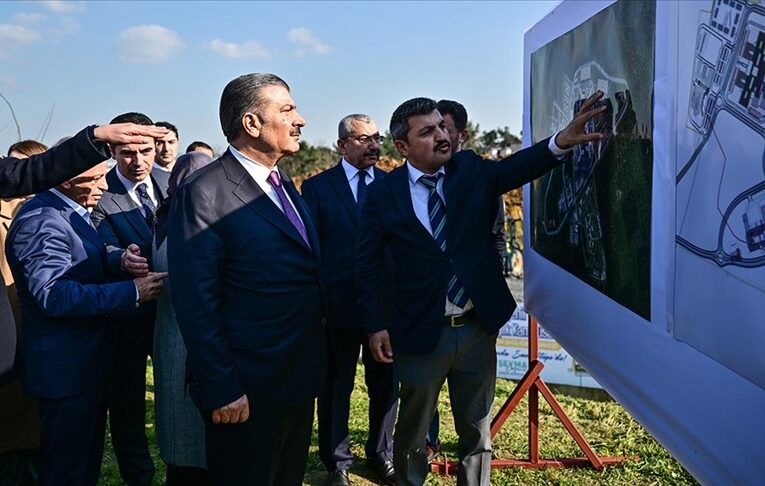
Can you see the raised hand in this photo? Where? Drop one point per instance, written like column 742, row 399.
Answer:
column 125, row 133
column 574, row 133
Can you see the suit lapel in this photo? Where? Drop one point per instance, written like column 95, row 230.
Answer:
column 454, row 201
column 248, row 191
column 79, row 225
column 399, row 181
column 343, row 191
column 128, row 207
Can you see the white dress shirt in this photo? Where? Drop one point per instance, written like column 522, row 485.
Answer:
column 352, row 174
column 419, row 193
column 131, row 190
column 82, row 211
column 259, row 174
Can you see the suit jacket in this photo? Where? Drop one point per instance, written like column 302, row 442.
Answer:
column 161, row 178
column 245, row 288
column 21, row 177
column 119, row 222
column 62, row 271
column 471, row 188
column 336, row 216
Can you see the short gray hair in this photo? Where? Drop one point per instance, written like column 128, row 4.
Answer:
column 242, row 95
column 344, row 128
column 399, row 121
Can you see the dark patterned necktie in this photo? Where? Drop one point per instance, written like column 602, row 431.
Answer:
column 148, row 205
column 437, row 214
column 276, row 182
column 361, row 188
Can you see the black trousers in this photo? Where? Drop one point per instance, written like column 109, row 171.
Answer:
column 127, row 403
column 72, row 438
column 270, row 448
column 335, row 401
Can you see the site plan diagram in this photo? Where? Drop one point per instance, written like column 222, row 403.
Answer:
column 592, row 215
column 720, row 200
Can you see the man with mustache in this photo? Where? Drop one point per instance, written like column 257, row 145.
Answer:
column 166, row 154
column 335, row 197
column 244, row 267
column 125, row 219
column 435, row 214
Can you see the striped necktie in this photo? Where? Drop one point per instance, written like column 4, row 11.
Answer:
column 437, row 214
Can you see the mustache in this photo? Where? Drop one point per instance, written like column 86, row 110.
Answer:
column 295, row 132
column 372, row 152
column 441, row 145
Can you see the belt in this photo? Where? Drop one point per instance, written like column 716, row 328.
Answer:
column 461, row 320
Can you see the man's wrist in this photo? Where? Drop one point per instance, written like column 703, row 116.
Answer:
column 556, row 150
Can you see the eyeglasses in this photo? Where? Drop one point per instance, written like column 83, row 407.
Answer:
column 365, row 139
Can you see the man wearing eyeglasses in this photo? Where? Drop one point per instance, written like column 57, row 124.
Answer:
column 335, row 198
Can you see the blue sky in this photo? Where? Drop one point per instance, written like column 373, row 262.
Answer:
column 171, row 60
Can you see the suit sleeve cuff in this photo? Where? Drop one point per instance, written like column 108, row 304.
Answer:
column 558, row 152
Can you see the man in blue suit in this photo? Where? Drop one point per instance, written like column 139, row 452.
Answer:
column 62, row 271
column 125, row 216
column 436, row 214
column 335, row 197
column 244, row 267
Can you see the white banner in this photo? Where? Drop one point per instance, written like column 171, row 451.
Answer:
column 513, row 355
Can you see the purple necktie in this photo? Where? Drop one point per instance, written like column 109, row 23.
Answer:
column 289, row 211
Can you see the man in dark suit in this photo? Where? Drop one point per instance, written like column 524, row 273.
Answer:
column 62, row 272
column 435, row 214
column 125, row 216
column 244, row 262
column 335, row 197
column 455, row 120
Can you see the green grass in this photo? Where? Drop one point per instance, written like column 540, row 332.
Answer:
column 605, row 424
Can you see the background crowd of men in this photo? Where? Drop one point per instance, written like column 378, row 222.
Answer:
column 274, row 295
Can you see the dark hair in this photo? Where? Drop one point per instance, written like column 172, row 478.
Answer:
column 196, row 144
column 399, row 121
column 169, row 126
column 27, row 147
column 456, row 110
column 132, row 117
column 242, row 95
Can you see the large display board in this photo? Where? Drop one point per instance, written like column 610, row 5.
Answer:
column 681, row 349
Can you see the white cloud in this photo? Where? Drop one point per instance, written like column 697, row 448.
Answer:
column 62, row 6
column 28, row 18
column 309, row 42
column 148, row 44
column 13, row 36
column 247, row 50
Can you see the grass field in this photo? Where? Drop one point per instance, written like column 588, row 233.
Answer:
column 605, row 424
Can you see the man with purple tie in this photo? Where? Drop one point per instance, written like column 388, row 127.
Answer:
column 244, row 262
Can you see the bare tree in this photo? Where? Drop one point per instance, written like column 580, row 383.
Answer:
column 13, row 114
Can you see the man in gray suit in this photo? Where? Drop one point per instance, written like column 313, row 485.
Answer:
column 125, row 219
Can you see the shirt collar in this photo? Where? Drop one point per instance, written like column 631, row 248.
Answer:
column 414, row 173
column 129, row 185
column 351, row 171
column 258, row 171
column 82, row 211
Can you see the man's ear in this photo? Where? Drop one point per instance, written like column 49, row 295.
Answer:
column 251, row 124
column 341, row 145
column 403, row 147
column 66, row 185
column 463, row 136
